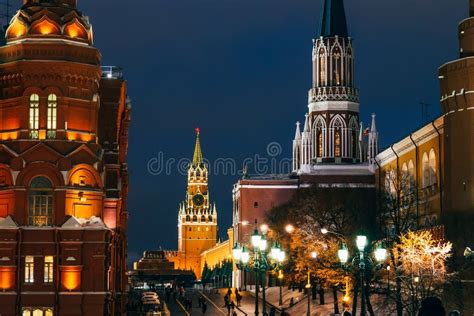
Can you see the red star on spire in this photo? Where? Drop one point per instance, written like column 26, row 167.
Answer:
column 198, row 130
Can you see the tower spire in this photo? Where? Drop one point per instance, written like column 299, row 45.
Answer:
column 333, row 21
column 197, row 158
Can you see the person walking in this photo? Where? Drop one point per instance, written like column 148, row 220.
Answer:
column 238, row 298
column 230, row 306
column 204, row 307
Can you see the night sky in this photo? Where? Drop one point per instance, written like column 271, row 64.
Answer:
column 240, row 70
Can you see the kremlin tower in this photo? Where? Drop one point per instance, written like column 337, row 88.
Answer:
column 332, row 133
column 197, row 217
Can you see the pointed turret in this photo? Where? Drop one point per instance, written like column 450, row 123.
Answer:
column 197, row 158
column 298, row 131
column 297, row 148
column 333, row 21
column 373, row 146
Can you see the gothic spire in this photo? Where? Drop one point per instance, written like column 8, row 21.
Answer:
column 298, row 131
column 197, row 158
column 373, row 126
column 333, row 21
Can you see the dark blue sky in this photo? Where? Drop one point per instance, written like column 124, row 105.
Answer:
column 241, row 69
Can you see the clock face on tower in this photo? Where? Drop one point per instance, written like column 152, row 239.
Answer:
column 198, row 200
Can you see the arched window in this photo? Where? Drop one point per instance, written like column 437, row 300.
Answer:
column 34, row 116
column 426, row 170
column 337, row 143
column 40, row 199
column 203, row 218
column 195, row 218
column 405, row 171
column 432, row 167
column 188, row 218
column 390, row 182
column 209, row 218
column 354, row 137
column 318, row 137
column 52, row 116
column 322, row 67
column 336, row 66
column 349, row 67
column 320, row 142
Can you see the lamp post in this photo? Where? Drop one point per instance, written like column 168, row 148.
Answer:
column 280, row 282
column 314, row 255
column 380, row 256
column 263, row 261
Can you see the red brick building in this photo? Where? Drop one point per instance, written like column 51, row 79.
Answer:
column 63, row 172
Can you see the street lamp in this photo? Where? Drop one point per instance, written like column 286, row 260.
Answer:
column 280, row 281
column 380, row 255
column 263, row 260
column 313, row 255
column 289, row 228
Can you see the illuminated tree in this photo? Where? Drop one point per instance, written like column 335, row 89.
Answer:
column 398, row 214
column 422, row 269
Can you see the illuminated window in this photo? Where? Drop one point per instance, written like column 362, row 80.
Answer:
column 426, row 171
column 40, row 199
column 432, row 167
column 37, row 311
column 411, row 173
column 29, row 269
column 337, row 143
column 34, row 116
column 48, row 269
column 320, row 143
column 322, row 68
column 52, row 116
column 336, row 66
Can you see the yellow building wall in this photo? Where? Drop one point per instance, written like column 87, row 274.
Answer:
column 219, row 253
column 426, row 139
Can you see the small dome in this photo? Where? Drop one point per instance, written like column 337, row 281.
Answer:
column 49, row 19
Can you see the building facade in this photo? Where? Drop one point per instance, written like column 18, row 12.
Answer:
column 438, row 158
column 63, row 169
column 197, row 217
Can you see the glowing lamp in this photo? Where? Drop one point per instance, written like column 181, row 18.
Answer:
column 275, row 251
column 361, row 242
column 262, row 244
column 380, row 254
column 343, row 254
column 281, row 256
column 314, row 254
column 324, row 231
column 289, row 228
column 255, row 239
column 264, row 228
column 237, row 252
column 245, row 255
